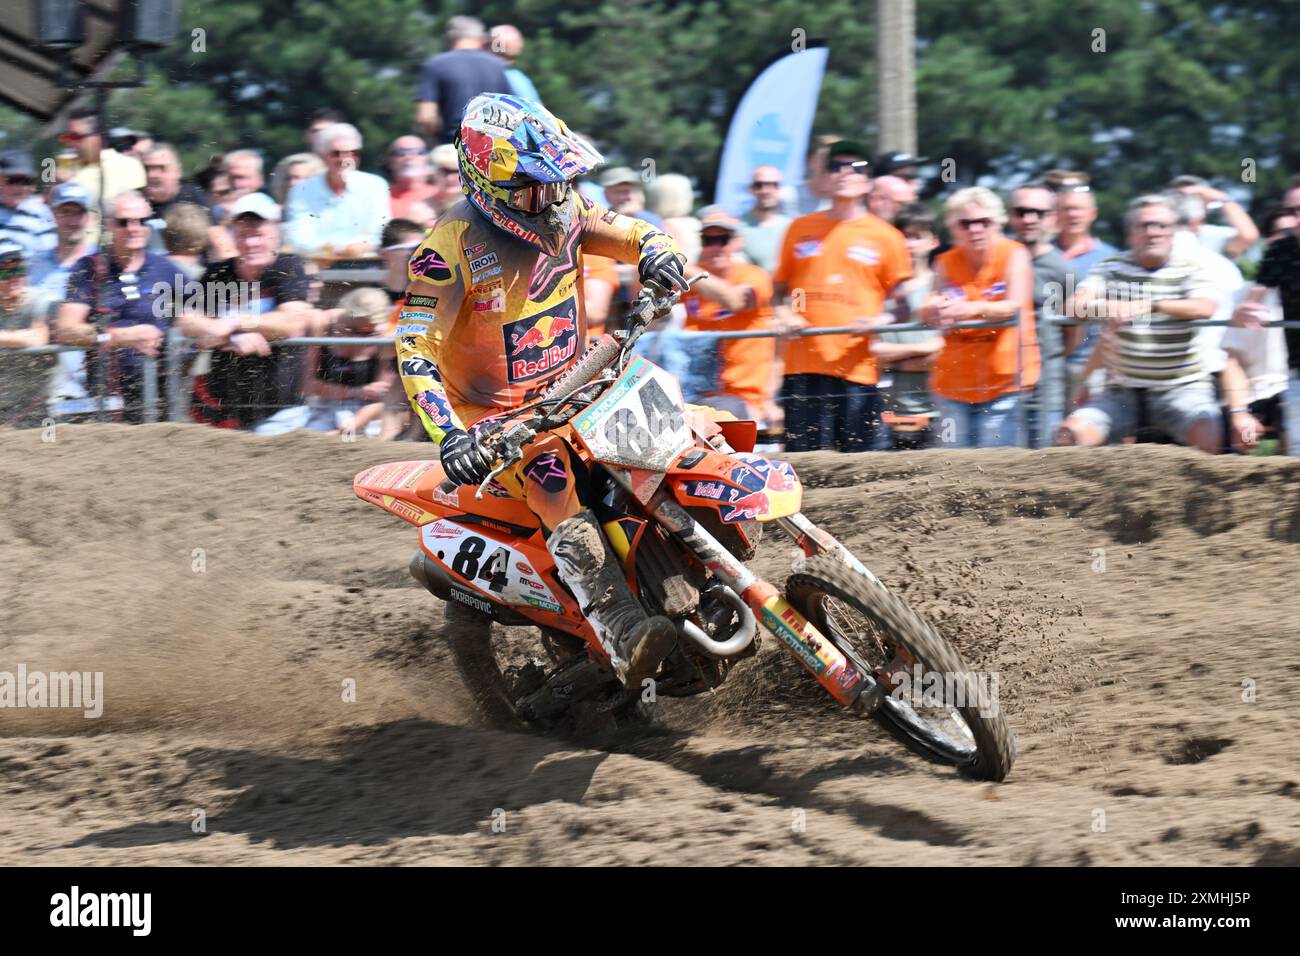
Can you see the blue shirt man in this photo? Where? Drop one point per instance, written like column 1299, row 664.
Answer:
column 450, row 80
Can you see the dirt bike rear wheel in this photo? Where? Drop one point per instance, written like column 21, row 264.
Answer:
column 468, row 635
column 877, row 630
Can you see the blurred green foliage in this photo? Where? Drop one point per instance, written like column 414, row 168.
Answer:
column 1134, row 91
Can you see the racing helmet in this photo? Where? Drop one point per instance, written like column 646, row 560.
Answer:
column 517, row 161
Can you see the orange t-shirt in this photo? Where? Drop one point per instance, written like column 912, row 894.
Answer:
column 846, row 270
column 979, row 365
column 746, row 363
column 600, row 267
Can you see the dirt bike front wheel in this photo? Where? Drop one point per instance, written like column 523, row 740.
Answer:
column 886, row 639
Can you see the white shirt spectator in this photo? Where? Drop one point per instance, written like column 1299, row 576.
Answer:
column 1262, row 353
column 1226, row 279
column 1214, row 238
column 319, row 218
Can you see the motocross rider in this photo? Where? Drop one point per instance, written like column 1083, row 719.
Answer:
column 493, row 315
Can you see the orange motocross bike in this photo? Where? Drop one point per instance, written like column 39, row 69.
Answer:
column 682, row 500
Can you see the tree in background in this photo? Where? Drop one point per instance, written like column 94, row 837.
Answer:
column 1133, row 93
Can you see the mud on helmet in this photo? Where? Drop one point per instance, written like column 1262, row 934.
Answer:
column 517, row 163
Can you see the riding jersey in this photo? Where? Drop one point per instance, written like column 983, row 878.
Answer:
column 489, row 321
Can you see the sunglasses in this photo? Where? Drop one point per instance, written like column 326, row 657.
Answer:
column 406, row 151
column 1023, row 211
column 12, row 272
column 1074, row 188
column 75, row 137
column 984, row 223
column 715, row 240
column 859, row 166
column 122, row 222
column 765, row 184
column 1291, row 210
column 18, row 180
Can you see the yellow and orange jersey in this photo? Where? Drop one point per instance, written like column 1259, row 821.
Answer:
column 846, row 270
column 489, row 321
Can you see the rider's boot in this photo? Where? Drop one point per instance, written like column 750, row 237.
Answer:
column 635, row 642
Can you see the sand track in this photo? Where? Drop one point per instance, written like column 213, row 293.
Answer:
column 223, row 688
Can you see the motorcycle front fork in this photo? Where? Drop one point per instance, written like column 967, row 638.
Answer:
column 814, row 541
column 796, row 633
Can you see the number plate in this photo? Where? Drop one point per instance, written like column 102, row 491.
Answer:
column 640, row 422
column 498, row 570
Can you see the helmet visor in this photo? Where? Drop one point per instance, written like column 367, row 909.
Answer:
column 535, row 197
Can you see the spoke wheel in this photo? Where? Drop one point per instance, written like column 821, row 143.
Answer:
column 927, row 695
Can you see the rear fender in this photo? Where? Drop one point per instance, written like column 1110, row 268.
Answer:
column 410, row 490
column 739, row 486
column 393, row 487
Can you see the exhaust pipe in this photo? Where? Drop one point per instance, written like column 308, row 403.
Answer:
column 733, row 646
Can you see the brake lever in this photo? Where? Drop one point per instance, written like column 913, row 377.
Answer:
column 493, row 473
column 515, row 438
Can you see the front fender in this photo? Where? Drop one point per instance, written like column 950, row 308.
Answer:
column 739, row 486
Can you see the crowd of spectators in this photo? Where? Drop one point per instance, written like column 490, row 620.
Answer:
column 970, row 320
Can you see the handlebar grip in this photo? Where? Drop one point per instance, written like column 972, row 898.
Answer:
column 448, row 487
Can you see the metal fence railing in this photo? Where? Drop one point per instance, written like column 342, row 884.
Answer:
column 178, row 384
column 99, row 401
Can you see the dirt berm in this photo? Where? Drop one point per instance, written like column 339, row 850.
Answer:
column 1138, row 604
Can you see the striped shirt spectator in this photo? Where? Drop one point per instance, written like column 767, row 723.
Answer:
column 1161, row 351
column 1157, row 378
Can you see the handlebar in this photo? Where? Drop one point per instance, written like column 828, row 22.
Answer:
column 506, row 446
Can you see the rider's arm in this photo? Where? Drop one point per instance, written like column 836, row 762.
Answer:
column 608, row 233
column 425, row 317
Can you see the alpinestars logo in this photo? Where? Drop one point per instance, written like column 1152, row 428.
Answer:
column 430, row 265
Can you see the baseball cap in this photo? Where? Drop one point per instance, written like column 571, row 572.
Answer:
column 617, row 175
column 715, row 217
column 886, row 163
column 14, row 162
column 12, row 254
column 65, row 193
column 256, row 204
column 848, row 147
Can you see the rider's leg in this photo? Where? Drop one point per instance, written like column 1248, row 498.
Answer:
column 554, row 481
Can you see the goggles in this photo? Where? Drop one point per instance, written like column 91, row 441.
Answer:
column 535, row 197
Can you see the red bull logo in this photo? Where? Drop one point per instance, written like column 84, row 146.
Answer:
column 779, row 480
column 542, row 344
column 749, row 507
column 478, row 148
